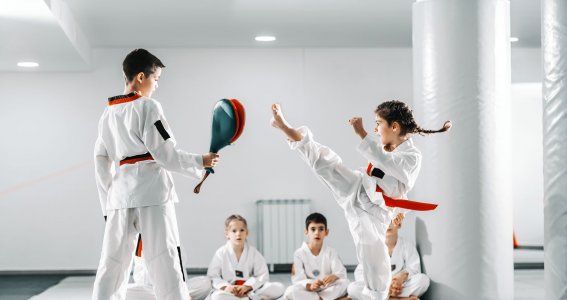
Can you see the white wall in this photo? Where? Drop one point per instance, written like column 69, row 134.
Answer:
column 50, row 217
column 526, row 65
column 527, row 145
column 49, row 212
column 527, row 136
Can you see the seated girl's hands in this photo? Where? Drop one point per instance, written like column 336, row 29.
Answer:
column 243, row 290
column 233, row 289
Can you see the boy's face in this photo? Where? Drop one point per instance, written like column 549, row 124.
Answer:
column 316, row 232
column 236, row 233
column 148, row 84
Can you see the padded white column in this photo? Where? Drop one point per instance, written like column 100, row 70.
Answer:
column 554, row 48
column 462, row 72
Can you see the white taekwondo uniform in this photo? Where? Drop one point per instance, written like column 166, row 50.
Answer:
column 404, row 258
column 355, row 191
column 134, row 152
column 251, row 270
column 142, row 288
column 309, row 267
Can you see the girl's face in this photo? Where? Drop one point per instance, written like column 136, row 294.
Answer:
column 236, row 233
column 387, row 133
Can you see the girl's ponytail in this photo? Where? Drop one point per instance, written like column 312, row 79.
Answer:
column 446, row 126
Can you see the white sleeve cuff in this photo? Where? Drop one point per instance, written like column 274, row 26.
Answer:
column 367, row 143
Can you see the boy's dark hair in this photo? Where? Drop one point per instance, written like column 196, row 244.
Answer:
column 315, row 218
column 140, row 60
column 397, row 111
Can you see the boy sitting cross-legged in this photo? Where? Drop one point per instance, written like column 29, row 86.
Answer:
column 318, row 272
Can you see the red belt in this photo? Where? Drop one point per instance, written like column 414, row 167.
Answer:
column 401, row 203
column 137, row 158
column 139, row 246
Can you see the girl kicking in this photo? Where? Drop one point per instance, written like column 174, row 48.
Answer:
column 393, row 169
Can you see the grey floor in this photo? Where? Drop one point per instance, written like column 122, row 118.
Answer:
column 19, row 287
column 528, row 285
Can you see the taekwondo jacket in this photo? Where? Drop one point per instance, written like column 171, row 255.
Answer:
column 224, row 269
column 400, row 167
column 134, row 154
column 309, row 267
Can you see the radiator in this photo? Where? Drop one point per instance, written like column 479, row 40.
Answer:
column 280, row 228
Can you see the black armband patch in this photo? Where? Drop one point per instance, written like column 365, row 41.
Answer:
column 161, row 130
column 378, row 173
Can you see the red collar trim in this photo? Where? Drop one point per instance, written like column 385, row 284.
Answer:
column 123, row 98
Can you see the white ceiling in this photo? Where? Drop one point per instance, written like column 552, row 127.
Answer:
column 60, row 34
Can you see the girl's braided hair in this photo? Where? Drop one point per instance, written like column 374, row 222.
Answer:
column 397, row 111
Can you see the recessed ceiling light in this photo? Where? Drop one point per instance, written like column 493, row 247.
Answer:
column 514, row 39
column 25, row 9
column 265, row 38
column 28, row 64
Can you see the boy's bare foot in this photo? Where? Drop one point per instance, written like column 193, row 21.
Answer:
column 412, row 297
column 278, row 121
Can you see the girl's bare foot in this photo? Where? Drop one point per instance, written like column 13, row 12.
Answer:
column 278, row 121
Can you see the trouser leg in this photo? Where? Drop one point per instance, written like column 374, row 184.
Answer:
column 199, row 287
column 336, row 290
column 117, row 250
column 162, row 252
column 272, row 290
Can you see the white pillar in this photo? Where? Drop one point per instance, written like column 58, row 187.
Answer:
column 554, row 48
column 462, row 72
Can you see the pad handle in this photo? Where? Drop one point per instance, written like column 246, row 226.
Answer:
column 198, row 187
